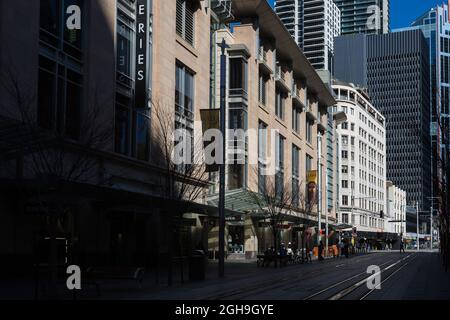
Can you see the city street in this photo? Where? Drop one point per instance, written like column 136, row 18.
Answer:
column 409, row 275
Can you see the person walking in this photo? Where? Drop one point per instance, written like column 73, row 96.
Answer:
column 346, row 247
column 321, row 250
column 308, row 253
column 402, row 246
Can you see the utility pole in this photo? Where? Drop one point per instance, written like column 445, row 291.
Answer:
column 319, row 185
column 431, row 226
column 418, row 238
column 223, row 69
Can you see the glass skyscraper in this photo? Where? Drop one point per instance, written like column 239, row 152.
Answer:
column 395, row 68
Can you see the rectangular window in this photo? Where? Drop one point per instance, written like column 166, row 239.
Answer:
column 59, row 98
column 296, row 119
column 279, row 165
column 122, row 126
column 262, row 147
column 238, row 77
column 125, row 49
column 184, row 105
column 295, row 175
column 53, row 27
column 344, row 140
column 308, row 163
column 185, row 24
column 279, row 103
column 345, row 200
column 237, row 169
column 262, row 88
column 142, row 136
column 345, row 184
column 309, row 130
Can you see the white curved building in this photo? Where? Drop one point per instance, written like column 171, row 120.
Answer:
column 362, row 162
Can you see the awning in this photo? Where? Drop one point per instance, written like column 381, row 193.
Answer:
column 342, row 227
column 240, row 200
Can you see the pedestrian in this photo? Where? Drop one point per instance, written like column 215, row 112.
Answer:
column 308, row 253
column 290, row 251
column 346, row 248
column 321, row 250
column 402, row 246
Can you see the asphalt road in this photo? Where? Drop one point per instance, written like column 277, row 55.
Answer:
column 401, row 276
column 405, row 276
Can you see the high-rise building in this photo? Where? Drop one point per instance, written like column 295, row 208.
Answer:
column 435, row 26
column 313, row 24
column 369, row 16
column 395, row 69
column 362, row 160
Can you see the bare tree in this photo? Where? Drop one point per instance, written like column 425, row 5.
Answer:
column 48, row 156
column 280, row 199
column 185, row 178
column 275, row 202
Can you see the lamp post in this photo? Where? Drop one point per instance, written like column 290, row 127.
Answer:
column 319, row 185
column 418, row 238
column 431, row 221
column 223, row 69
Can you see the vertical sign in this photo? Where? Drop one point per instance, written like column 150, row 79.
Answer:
column 141, row 54
column 312, row 185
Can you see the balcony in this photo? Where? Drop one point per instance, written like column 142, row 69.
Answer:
column 309, row 111
column 296, row 98
column 263, row 61
column 238, row 95
column 280, row 79
column 322, row 127
column 222, row 8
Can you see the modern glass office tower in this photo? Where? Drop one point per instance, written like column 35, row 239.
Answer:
column 435, row 26
column 313, row 24
column 395, row 69
column 364, row 16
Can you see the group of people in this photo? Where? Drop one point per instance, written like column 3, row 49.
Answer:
column 343, row 248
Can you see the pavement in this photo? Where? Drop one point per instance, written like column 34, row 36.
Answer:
column 403, row 276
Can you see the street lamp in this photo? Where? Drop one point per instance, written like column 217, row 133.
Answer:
column 431, row 221
column 418, row 212
column 223, row 67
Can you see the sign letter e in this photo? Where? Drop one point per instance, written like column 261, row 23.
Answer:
column 74, row 280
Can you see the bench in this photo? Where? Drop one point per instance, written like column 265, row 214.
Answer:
column 94, row 274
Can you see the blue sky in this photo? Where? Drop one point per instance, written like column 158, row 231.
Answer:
column 403, row 12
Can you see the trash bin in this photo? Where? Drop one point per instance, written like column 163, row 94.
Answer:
column 197, row 265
